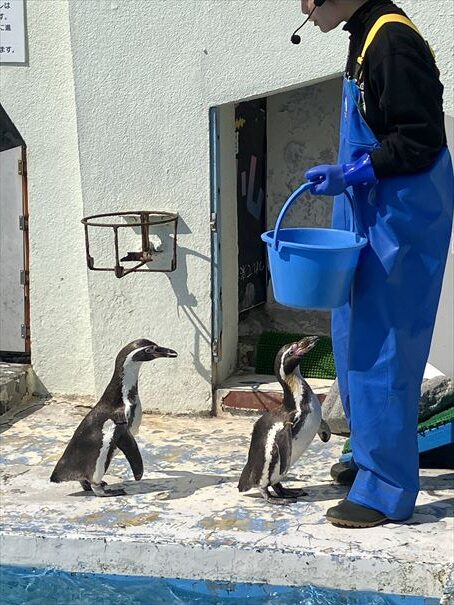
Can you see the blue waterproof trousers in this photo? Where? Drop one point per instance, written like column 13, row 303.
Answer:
column 381, row 338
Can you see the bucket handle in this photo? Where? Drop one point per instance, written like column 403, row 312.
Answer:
column 295, row 195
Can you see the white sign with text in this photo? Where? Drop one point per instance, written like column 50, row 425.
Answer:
column 12, row 31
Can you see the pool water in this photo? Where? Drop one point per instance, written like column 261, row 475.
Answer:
column 20, row 586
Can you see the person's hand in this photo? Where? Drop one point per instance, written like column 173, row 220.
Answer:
column 333, row 179
column 327, row 179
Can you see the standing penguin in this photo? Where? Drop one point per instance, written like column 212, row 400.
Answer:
column 110, row 424
column 280, row 437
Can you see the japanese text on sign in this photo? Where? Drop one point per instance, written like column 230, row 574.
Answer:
column 12, row 31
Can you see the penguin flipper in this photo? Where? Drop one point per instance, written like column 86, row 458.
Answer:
column 284, row 445
column 128, row 445
column 245, row 483
column 250, row 476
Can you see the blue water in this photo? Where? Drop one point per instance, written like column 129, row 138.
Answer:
column 20, row 586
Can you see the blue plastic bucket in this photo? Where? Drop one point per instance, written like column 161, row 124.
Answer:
column 311, row 268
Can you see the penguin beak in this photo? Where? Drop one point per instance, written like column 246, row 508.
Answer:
column 305, row 345
column 164, row 352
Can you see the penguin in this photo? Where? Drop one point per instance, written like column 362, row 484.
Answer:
column 281, row 436
column 110, row 424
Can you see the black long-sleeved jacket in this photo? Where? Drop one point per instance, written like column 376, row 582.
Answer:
column 403, row 95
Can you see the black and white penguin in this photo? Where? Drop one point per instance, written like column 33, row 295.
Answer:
column 281, row 436
column 110, row 424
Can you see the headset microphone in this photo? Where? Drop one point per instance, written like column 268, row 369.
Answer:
column 295, row 39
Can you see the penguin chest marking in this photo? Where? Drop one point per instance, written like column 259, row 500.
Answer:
column 108, row 430
column 133, row 413
column 130, row 396
column 305, row 433
column 297, row 387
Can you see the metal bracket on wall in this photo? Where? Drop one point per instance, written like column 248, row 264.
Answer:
column 143, row 219
column 21, row 167
column 24, row 278
column 23, row 222
column 25, row 331
column 214, row 222
column 215, row 350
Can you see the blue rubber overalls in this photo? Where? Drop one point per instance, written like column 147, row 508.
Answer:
column 381, row 338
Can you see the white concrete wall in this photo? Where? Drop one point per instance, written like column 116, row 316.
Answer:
column 39, row 98
column 143, row 77
column 143, row 143
column 302, row 131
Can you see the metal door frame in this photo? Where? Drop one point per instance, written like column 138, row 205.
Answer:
column 23, row 221
column 215, row 226
column 26, row 244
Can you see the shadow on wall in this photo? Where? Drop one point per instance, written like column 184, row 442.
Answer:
column 187, row 301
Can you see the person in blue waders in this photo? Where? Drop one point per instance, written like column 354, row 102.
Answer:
column 394, row 160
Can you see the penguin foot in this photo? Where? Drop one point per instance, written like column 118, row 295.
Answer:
column 86, row 485
column 288, row 492
column 324, row 432
column 272, row 499
column 101, row 491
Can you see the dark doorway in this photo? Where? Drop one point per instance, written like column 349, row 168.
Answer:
column 250, row 133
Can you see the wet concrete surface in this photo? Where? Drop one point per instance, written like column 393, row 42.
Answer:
column 186, row 518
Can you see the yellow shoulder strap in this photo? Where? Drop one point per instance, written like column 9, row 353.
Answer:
column 378, row 25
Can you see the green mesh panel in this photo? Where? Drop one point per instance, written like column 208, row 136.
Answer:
column 318, row 363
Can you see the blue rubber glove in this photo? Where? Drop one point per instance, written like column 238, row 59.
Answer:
column 333, row 179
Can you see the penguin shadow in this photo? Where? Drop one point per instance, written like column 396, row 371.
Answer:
column 315, row 493
column 177, row 485
column 332, row 491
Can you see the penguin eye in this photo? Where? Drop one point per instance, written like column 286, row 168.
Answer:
column 149, row 350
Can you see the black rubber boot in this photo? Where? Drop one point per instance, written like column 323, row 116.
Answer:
column 343, row 473
column 350, row 514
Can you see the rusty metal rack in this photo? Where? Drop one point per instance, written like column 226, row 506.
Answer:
column 146, row 219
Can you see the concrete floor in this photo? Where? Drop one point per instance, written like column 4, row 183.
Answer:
column 186, row 518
